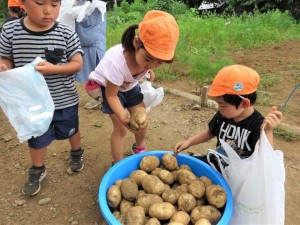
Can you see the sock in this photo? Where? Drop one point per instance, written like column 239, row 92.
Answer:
column 38, row 167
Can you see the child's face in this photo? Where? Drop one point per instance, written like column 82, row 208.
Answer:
column 41, row 14
column 227, row 110
column 145, row 60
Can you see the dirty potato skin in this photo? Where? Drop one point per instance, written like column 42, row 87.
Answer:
column 149, row 163
column 129, row 189
column 216, row 195
column 208, row 212
column 169, row 162
column 162, row 211
column 135, row 216
column 138, row 119
column 114, row 196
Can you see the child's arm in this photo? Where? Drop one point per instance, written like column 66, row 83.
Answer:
column 69, row 68
column 199, row 138
column 152, row 75
column 5, row 64
column 111, row 92
column 271, row 121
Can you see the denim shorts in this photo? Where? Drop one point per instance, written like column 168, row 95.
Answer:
column 128, row 99
column 64, row 125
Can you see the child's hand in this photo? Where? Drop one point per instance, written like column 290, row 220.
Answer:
column 273, row 118
column 3, row 67
column 180, row 146
column 45, row 68
column 152, row 75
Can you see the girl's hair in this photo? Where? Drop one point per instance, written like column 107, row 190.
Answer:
column 15, row 9
column 236, row 100
column 127, row 40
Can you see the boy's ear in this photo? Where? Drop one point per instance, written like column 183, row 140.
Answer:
column 135, row 42
column 246, row 103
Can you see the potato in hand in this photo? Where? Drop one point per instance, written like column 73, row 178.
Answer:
column 138, row 119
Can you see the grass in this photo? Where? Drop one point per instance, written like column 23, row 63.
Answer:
column 286, row 135
column 205, row 41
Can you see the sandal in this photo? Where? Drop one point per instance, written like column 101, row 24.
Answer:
column 138, row 149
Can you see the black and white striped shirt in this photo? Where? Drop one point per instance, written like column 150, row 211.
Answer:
column 22, row 46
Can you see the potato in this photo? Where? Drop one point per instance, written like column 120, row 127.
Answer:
column 149, row 163
column 129, row 189
column 114, row 196
column 216, row 195
column 186, row 202
column 197, row 188
column 138, row 119
column 175, row 223
column 152, row 221
column 137, row 176
column 170, row 196
column 125, row 205
column 147, row 200
column 153, row 185
column 183, row 188
column 118, row 182
column 166, row 176
column 182, row 217
column 185, row 176
column 162, row 211
column 135, row 216
column 185, row 167
column 203, row 221
column 169, row 162
column 175, row 173
column 208, row 212
column 156, row 171
column 205, row 180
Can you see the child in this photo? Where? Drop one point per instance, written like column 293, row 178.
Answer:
column 125, row 64
column 236, row 122
column 15, row 9
column 92, row 34
column 38, row 34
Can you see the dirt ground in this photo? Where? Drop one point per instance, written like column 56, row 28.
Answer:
column 72, row 199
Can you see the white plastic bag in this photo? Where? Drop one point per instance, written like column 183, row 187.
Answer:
column 152, row 96
column 26, row 101
column 256, row 183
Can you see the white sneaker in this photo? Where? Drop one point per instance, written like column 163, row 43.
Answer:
column 92, row 104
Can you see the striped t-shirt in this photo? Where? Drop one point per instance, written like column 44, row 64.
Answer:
column 56, row 45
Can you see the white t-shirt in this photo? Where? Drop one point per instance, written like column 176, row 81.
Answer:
column 113, row 67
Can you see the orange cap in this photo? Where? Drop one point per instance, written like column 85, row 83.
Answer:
column 159, row 33
column 235, row 80
column 15, row 3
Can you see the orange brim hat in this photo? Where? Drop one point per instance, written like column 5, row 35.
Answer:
column 14, row 3
column 159, row 33
column 235, row 80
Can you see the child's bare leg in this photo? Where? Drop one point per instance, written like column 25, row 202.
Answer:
column 75, row 141
column 140, row 137
column 117, row 139
column 37, row 156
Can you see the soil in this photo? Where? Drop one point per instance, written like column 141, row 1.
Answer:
column 72, row 199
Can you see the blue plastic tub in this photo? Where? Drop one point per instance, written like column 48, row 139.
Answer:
column 122, row 170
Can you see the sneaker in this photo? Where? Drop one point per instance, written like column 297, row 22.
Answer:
column 33, row 184
column 76, row 160
column 138, row 149
column 92, row 104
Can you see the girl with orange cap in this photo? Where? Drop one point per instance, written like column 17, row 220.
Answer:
column 16, row 10
column 125, row 64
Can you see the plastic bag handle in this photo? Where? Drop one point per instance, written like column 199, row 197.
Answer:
column 232, row 155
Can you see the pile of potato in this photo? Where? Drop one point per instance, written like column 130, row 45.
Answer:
column 165, row 193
